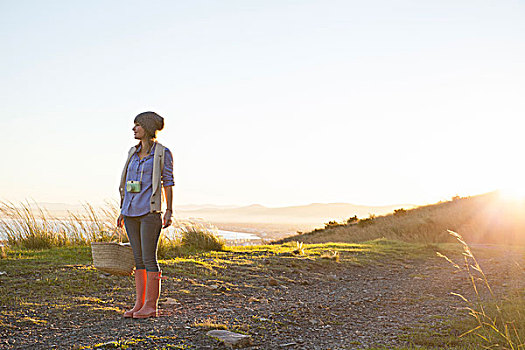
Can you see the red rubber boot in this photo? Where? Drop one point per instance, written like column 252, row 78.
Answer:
column 140, row 287
column 152, row 296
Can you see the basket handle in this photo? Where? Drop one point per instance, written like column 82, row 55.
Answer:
column 119, row 230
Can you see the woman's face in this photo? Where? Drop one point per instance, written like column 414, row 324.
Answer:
column 139, row 131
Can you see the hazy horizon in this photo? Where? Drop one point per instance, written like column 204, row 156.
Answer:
column 265, row 221
column 211, row 205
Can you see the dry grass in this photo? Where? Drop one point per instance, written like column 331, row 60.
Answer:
column 29, row 226
column 481, row 219
column 498, row 323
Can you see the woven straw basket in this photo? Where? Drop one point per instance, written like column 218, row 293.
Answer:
column 113, row 258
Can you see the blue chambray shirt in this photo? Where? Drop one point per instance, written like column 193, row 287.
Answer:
column 137, row 204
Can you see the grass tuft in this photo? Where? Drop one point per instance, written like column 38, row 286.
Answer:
column 28, row 226
column 299, row 250
column 331, row 255
column 210, row 323
column 201, row 238
column 497, row 323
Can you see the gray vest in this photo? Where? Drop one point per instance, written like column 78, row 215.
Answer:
column 158, row 165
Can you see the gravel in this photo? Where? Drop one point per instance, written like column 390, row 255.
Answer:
column 306, row 305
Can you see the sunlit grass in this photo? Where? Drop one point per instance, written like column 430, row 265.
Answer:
column 497, row 322
column 29, row 226
column 488, row 218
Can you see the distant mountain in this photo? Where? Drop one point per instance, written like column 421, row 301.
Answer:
column 187, row 207
column 62, row 209
column 316, row 213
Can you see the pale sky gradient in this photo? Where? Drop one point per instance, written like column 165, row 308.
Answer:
column 271, row 102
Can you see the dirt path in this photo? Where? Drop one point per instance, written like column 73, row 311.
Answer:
column 305, row 305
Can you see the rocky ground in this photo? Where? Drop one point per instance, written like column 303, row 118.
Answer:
column 282, row 300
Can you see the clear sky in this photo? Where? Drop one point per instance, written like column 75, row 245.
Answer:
column 272, row 102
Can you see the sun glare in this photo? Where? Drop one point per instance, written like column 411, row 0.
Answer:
column 514, row 192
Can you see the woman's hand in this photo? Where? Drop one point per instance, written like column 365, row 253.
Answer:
column 168, row 193
column 167, row 219
column 120, row 220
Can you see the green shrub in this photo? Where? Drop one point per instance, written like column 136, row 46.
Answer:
column 399, row 212
column 201, row 238
column 368, row 221
column 330, row 224
column 352, row 220
column 39, row 239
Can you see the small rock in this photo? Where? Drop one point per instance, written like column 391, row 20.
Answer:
column 287, row 344
column 332, row 278
column 3, row 273
column 273, row 282
column 222, row 309
column 231, row 339
column 171, row 301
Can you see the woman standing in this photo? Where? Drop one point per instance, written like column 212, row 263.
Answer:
column 149, row 167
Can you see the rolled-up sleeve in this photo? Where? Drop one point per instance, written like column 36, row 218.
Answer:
column 167, row 171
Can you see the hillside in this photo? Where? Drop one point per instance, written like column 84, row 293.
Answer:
column 487, row 218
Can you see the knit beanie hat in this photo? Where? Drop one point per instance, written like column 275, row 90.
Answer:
column 151, row 122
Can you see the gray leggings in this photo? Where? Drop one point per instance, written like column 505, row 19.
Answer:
column 143, row 233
